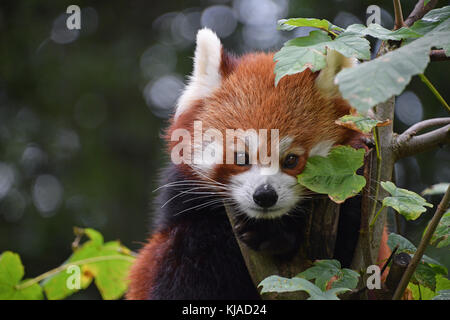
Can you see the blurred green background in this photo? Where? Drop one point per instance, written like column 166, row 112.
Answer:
column 81, row 112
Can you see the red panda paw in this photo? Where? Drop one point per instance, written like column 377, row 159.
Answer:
column 264, row 237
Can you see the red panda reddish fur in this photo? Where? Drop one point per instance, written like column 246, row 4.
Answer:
column 142, row 273
column 246, row 99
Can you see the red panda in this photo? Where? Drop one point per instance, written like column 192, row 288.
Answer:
column 192, row 252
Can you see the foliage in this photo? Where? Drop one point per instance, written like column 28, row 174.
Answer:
column 439, row 188
column 360, row 123
column 441, row 236
column 409, row 204
column 335, row 174
column 11, row 274
column 442, row 291
column 374, row 81
column 310, row 52
column 106, row 263
column 326, row 270
column 394, row 70
column 377, row 31
column 323, row 272
column 428, row 269
column 291, row 24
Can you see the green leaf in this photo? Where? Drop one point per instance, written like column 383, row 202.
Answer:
column 294, row 59
column 280, row 284
column 350, row 44
column 439, row 188
column 360, row 123
column 11, row 274
column 442, row 283
column 375, row 81
column 423, row 294
column 324, row 270
column 404, row 244
column 335, row 175
column 310, row 52
column 438, row 267
column 377, row 31
column 106, row 263
column 111, row 274
column 441, row 236
column 409, row 204
column 443, row 295
column 291, row 24
column 425, row 275
column 446, row 49
column 95, row 236
column 434, row 20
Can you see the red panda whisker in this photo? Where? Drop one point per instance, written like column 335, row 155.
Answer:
column 202, row 174
column 189, row 191
column 187, row 183
column 201, row 206
column 202, row 197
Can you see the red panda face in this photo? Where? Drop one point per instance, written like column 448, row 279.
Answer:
column 280, row 127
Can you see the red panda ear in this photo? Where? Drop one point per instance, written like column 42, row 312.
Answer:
column 325, row 82
column 207, row 74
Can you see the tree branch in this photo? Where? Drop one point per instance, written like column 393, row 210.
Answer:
column 416, row 128
column 438, row 55
column 399, row 265
column 408, row 145
column 419, row 11
column 320, row 237
column 441, row 209
column 398, row 15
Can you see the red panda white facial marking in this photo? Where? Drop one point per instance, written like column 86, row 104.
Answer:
column 225, row 93
column 283, row 192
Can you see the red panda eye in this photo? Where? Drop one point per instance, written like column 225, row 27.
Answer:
column 291, row 161
column 241, row 159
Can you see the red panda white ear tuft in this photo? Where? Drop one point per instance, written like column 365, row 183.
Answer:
column 206, row 76
column 325, row 82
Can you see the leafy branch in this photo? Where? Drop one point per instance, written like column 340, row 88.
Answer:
column 106, row 263
column 59, row 269
column 443, row 206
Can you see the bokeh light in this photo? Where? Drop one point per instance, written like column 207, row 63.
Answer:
column 220, row 19
column 158, row 60
column 6, row 179
column 409, row 108
column 47, row 194
column 162, row 94
column 60, row 34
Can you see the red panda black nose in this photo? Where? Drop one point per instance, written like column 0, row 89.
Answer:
column 265, row 196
